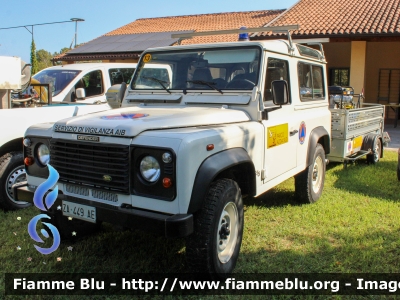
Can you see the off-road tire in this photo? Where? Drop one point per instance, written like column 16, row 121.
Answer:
column 310, row 182
column 374, row 157
column 211, row 248
column 12, row 170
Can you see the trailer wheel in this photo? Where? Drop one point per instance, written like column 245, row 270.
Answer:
column 12, row 171
column 374, row 157
column 214, row 246
column 310, row 182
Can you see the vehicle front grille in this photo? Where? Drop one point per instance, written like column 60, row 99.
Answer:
column 99, row 166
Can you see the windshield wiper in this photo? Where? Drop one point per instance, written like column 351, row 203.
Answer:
column 161, row 82
column 209, row 84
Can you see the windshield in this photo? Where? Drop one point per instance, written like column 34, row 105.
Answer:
column 59, row 79
column 218, row 69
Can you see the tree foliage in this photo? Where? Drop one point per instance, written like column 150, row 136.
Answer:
column 34, row 62
column 44, row 59
column 64, row 50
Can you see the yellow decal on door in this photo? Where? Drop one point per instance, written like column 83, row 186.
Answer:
column 277, row 135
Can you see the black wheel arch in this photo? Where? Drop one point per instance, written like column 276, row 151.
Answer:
column 234, row 164
column 13, row 145
column 318, row 135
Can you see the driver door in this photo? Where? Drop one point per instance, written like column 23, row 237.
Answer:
column 281, row 128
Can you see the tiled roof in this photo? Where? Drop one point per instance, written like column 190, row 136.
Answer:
column 348, row 18
column 205, row 22
column 102, row 56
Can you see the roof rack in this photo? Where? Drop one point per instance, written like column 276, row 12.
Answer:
column 274, row 29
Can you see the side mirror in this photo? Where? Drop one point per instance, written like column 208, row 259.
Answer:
column 80, row 94
column 115, row 95
column 280, row 93
column 121, row 92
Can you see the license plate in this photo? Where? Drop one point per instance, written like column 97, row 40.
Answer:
column 79, row 211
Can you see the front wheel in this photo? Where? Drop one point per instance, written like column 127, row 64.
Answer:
column 12, row 171
column 310, row 182
column 215, row 244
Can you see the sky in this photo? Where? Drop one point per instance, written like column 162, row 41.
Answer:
column 101, row 17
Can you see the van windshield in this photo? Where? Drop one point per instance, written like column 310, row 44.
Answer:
column 59, row 79
column 199, row 69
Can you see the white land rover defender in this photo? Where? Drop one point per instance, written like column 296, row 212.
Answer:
column 217, row 122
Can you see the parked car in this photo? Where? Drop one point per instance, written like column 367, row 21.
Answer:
column 92, row 79
column 14, row 122
column 71, row 86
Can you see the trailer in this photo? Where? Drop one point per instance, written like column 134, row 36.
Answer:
column 357, row 128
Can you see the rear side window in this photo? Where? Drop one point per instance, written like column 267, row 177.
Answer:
column 311, row 82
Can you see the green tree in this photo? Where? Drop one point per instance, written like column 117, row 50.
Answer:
column 34, row 62
column 44, row 59
column 64, row 50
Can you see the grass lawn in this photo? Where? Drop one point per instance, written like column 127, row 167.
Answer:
column 353, row 228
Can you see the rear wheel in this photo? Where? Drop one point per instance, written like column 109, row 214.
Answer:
column 215, row 244
column 12, row 171
column 310, row 183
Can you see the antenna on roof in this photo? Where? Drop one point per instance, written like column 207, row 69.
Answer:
column 274, row 29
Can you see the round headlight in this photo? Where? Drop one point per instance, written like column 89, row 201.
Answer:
column 27, row 142
column 43, row 154
column 150, row 169
column 167, row 157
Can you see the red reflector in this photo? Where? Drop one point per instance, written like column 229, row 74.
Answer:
column 28, row 161
column 167, row 182
column 210, row 147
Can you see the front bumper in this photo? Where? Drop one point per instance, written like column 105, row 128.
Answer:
column 178, row 225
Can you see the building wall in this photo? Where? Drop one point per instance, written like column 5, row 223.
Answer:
column 338, row 54
column 379, row 55
column 385, row 55
column 357, row 65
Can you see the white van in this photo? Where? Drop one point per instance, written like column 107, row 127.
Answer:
column 85, row 82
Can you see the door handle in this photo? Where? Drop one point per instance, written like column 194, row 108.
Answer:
column 293, row 132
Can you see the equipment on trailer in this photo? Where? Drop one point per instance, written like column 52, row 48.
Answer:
column 357, row 127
